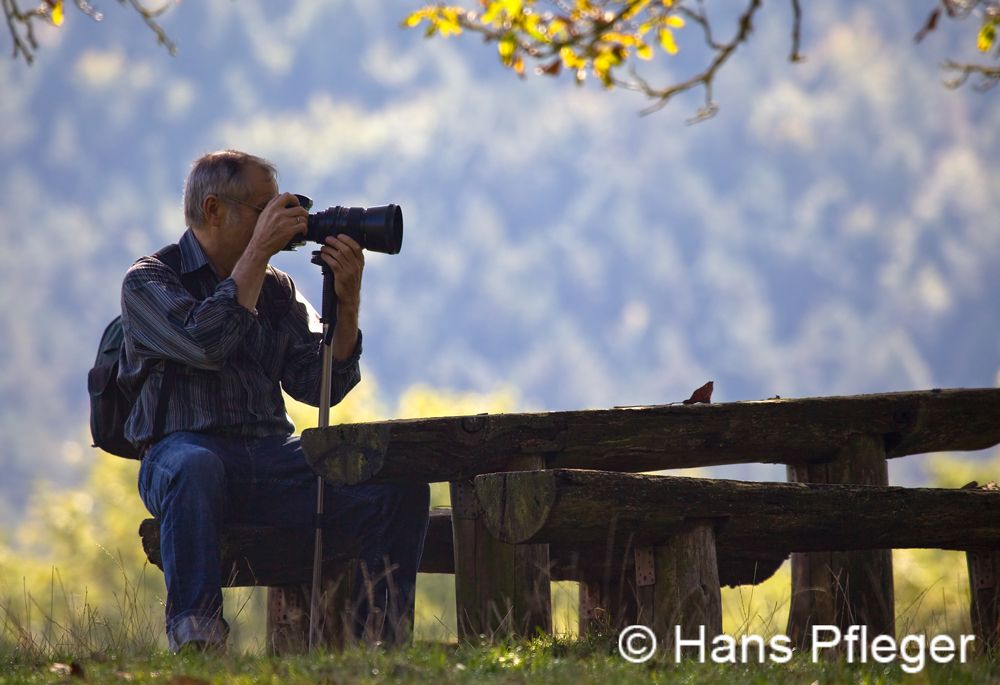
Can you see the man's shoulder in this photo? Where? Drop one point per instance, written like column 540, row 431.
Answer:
column 147, row 269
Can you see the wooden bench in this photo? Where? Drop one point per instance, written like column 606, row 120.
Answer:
column 678, row 524
column 281, row 560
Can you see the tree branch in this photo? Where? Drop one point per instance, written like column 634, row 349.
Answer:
column 26, row 44
column 706, row 77
column 795, row 55
column 989, row 76
column 20, row 22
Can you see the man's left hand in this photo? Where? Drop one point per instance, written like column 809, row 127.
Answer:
column 344, row 256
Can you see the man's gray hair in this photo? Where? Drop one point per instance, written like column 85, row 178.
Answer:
column 224, row 174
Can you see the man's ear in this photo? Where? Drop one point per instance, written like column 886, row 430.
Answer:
column 214, row 210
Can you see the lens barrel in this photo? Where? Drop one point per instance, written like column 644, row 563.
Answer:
column 378, row 229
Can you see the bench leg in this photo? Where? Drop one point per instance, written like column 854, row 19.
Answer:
column 288, row 613
column 843, row 588
column 607, row 588
column 500, row 589
column 676, row 584
column 682, row 586
column 984, row 607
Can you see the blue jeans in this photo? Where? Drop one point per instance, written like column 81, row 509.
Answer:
column 194, row 482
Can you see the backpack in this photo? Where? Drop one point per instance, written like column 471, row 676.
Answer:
column 109, row 407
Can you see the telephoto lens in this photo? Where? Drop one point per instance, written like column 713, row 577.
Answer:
column 378, row 229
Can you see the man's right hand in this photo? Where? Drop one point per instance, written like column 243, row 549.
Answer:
column 282, row 219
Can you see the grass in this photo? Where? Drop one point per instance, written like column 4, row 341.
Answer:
column 57, row 639
column 541, row 660
column 44, row 621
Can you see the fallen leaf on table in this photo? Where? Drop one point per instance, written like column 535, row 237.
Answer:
column 702, row 395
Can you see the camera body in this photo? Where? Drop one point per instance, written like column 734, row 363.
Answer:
column 379, row 229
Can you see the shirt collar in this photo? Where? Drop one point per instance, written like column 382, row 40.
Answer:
column 192, row 256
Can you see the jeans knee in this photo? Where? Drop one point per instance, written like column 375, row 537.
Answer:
column 196, row 469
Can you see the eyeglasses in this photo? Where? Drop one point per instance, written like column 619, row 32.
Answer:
column 233, row 199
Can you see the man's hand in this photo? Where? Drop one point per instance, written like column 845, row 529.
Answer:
column 344, row 256
column 278, row 224
column 273, row 229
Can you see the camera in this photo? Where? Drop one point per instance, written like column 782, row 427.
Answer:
column 379, row 229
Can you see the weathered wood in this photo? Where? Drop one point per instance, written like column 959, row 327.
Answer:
column 278, row 557
column 500, row 589
column 271, row 552
column 287, row 616
column 575, row 561
column 984, row 591
column 683, row 589
column 350, row 453
column 262, row 555
column 654, row 438
column 606, row 572
column 843, row 588
column 577, row 506
column 984, row 607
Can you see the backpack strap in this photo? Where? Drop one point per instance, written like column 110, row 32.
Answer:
column 277, row 289
column 171, row 256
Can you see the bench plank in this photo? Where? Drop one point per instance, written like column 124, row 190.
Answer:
column 288, row 559
column 578, row 506
column 569, row 560
column 654, row 438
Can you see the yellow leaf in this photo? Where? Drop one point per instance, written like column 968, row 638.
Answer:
column 57, row 13
column 644, row 51
column 448, row 27
column 986, row 36
column 674, row 20
column 414, row 19
column 506, row 48
column 492, row 10
column 635, row 9
column 570, row 59
column 667, row 41
column 619, row 38
column 512, row 6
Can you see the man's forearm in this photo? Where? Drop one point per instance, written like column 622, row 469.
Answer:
column 249, row 276
column 345, row 332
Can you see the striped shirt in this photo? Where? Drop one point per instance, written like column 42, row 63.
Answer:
column 234, row 362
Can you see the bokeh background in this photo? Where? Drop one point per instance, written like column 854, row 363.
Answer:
column 833, row 230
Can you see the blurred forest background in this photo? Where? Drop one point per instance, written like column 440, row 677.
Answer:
column 833, row 230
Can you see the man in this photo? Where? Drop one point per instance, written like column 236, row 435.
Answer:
column 225, row 451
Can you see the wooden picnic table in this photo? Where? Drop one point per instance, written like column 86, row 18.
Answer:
column 821, row 440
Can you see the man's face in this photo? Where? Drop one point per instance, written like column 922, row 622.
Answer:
column 263, row 190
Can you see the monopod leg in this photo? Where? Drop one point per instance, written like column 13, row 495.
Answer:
column 329, row 321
